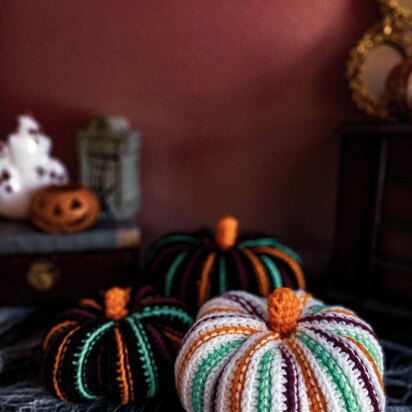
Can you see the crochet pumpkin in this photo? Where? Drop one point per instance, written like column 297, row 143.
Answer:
column 287, row 353
column 197, row 266
column 121, row 346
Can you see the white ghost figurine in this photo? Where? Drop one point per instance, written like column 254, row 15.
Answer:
column 25, row 167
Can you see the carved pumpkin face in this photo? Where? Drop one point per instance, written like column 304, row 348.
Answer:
column 64, row 209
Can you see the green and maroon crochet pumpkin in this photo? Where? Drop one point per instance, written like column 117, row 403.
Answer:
column 195, row 267
column 121, row 346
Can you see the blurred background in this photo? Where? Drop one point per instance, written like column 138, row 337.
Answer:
column 244, row 108
column 238, row 102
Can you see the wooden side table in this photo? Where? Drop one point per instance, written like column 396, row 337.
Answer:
column 373, row 250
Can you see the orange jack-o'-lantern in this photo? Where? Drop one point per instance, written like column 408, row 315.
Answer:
column 64, row 209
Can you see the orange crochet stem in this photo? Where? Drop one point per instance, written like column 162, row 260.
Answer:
column 226, row 232
column 115, row 302
column 284, row 310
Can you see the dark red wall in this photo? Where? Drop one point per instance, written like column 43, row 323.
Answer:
column 238, row 100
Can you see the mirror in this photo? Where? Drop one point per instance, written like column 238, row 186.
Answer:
column 371, row 61
column 378, row 64
column 399, row 12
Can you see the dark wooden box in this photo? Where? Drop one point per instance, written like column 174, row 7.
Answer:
column 37, row 268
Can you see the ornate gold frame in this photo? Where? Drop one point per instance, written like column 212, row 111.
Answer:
column 395, row 13
column 380, row 33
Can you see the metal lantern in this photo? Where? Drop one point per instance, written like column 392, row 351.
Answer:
column 109, row 153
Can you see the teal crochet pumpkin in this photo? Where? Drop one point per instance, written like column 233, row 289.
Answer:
column 121, row 345
column 197, row 266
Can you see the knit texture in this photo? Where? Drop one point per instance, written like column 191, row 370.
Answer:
column 121, row 345
column 197, row 266
column 295, row 355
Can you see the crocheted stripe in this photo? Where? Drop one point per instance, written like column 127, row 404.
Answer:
column 124, row 377
column 279, row 254
column 167, row 312
column 313, row 310
column 304, row 298
column 172, row 271
column 217, row 310
column 273, row 271
column 222, row 394
column 202, row 340
column 314, row 392
column 61, row 352
column 220, row 302
column 370, row 359
column 202, row 374
column 325, row 318
column 227, row 319
column 174, row 336
column 204, row 288
column 370, row 345
column 262, row 241
column 363, row 377
column 332, row 368
column 222, row 275
column 194, row 258
column 56, row 330
column 224, row 319
column 178, row 238
column 161, row 261
column 129, row 373
column 80, row 314
column 260, row 273
column 158, row 342
column 270, row 242
column 358, row 369
column 91, row 303
column 325, row 381
column 291, row 385
column 145, row 355
column 87, row 344
column 339, row 310
column 246, row 303
column 264, row 396
column 242, row 367
column 240, row 269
